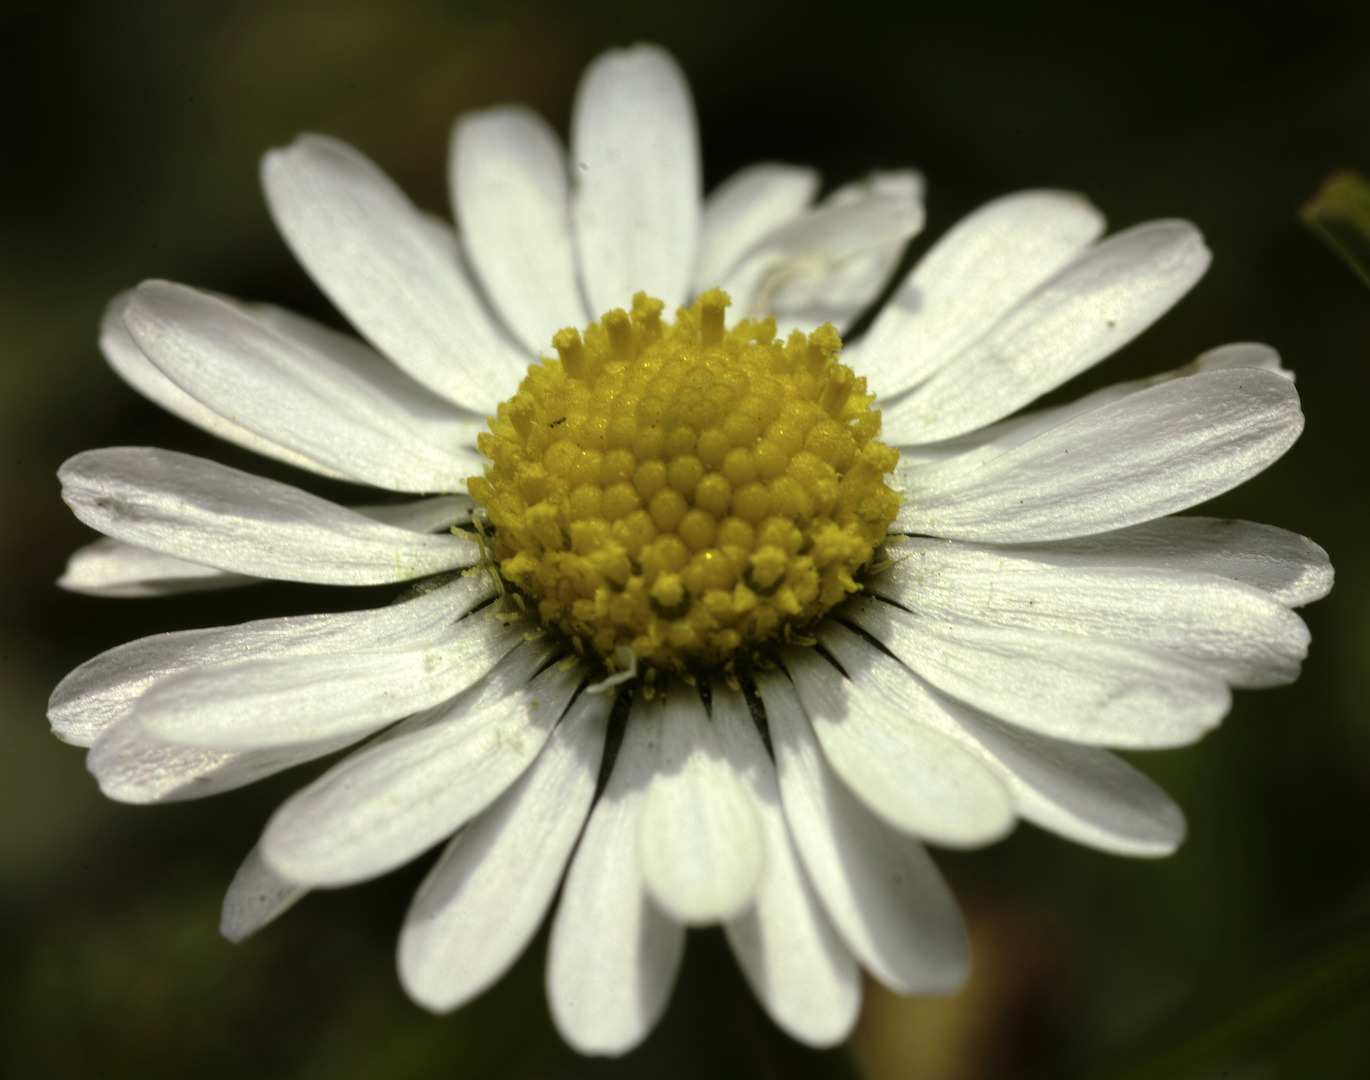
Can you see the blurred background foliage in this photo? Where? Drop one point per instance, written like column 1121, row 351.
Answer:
column 129, row 136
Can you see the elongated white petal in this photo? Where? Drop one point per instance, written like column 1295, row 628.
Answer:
column 989, row 261
column 374, row 426
column 1089, row 310
column 794, row 961
column 744, row 208
column 973, row 450
column 397, row 278
column 511, row 193
column 635, row 160
column 133, row 766
column 1086, row 690
column 1081, row 792
column 915, row 778
column 878, row 886
column 1289, row 567
column 485, row 898
column 113, row 568
column 256, row 896
column 808, row 297
column 699, row 837
column 1151, row 453
column 437, row 514
column 400, row 795
column 207, row 513
column 1232, row 630
column 613, row 954
column 283, row 701
column 829, row 248
column 105, row 689
column 128, row 361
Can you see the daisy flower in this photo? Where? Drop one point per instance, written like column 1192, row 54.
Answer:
column 714, row 620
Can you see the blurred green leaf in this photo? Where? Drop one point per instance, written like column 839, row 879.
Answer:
column 1340, row 214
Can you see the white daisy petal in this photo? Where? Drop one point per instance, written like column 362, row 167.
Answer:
column 1291, row 568
column 419, row 783
column 878, row 886
column 988, row 262
column 113, row 568
column 397, row 278
column 915, row 778
column 806, row 300
column 699, row 838
column 128, row 361
column 635, row 160
column 256, row 896
column 207, row 513
column 791, row 268
column 133, row 766
column 373, row 426
column 1088, row 311
column 1086, row 690
column 1151, row 453
column 973, row 450
column 793, row 959
column 613, row 955
column 105, row 688
column 1232, row 630
column 511, row 194
column 1081, row 792
column 744, row 209
column 485, row 898
column 265, row 702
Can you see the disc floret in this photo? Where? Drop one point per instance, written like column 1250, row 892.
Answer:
column 684, row 489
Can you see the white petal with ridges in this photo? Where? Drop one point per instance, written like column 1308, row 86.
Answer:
column 1232, row 630
column 916, row 779
column 814, row 252
column 405, row 792
column 299, row 699
column 483, row 901
column 879, row 887
column 198, row 510
column 613, row 955
column 1287, row 566
column 1086, row 690
column 104, row 689
column 838, row 295
column 1088, row 311
column 698, row 837
column 128, row 361
column 373, row 426
column 1151, row 453
column 989, row 261
column 635, row 164
column 789, row 952
column 743, row 209
column 396, row 277
column 511, row 193
column 1081, row 792
column 132, row 766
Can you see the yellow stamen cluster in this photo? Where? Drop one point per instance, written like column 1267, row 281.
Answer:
column 685, row 489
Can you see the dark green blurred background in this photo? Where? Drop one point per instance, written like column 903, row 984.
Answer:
column 129, row 137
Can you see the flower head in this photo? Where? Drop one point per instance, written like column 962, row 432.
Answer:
column 715, row 620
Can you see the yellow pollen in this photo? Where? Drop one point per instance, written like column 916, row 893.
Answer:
column 685, row 489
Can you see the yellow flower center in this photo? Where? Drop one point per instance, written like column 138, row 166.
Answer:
column 683, row 489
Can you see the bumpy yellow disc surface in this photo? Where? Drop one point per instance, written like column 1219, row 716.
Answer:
column 683, row 489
